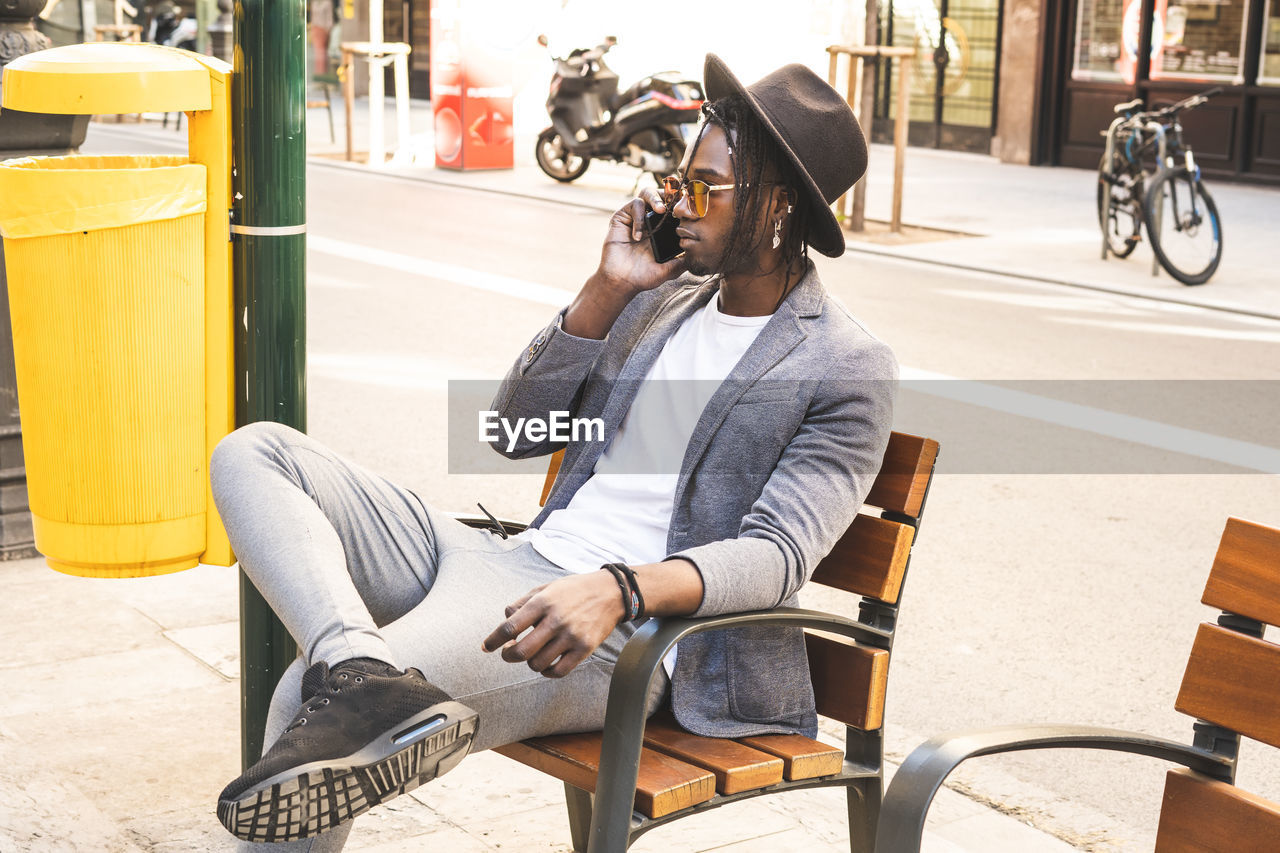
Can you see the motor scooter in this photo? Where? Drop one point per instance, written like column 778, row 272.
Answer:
column 648, row 126
column 174, row 28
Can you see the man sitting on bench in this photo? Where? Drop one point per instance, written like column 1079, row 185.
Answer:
column 722, row 479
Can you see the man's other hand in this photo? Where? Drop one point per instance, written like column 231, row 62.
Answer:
column 565, row 620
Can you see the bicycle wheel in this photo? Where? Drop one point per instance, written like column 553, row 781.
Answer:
column 1122, row 221
column 1183, row 224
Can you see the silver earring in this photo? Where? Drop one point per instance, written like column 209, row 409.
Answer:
column 777, row 232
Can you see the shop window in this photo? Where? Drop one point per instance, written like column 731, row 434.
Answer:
column 1100, row 50
column 1269, row 64
column 1194, row 39
column 1199, row 39
column 968, row 36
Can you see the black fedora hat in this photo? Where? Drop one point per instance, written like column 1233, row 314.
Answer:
column 815, row 128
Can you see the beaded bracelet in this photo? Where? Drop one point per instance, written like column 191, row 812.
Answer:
column 630, row 598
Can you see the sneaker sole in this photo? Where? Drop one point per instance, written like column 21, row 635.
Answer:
column 304, row 801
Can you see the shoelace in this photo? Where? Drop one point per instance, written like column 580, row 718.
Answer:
column 331, row 686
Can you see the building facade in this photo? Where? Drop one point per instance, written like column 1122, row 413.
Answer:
column 1035, row 81
column 1101, row 52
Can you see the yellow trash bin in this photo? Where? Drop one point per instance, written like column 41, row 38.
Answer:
column 105, row 261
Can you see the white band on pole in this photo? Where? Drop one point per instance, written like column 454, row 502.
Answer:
column 269, row 230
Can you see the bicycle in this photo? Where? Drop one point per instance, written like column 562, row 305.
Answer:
column 1148, row 177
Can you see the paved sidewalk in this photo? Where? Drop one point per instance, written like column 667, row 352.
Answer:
column 1033, row 222
column 119, row 725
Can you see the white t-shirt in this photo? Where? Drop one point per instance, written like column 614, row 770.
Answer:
column 621, row 514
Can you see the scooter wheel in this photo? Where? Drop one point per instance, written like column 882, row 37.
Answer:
column 557, row 160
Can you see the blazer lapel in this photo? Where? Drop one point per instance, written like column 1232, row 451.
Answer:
column 645, row 352
column 779, row 337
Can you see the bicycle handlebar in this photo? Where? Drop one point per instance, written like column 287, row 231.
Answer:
column 1186, row 103
column 1131, row 118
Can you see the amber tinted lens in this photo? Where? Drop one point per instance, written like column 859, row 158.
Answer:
column 698, row 193
column 670, row 190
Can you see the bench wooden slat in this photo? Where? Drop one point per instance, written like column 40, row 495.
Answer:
column 1233, row 680
column 665, row 784
column 553, row 469
column 1200, row 814
column 849, row 680
column 802, row 758
column 904, row 475
column 736, row 767
column 1246, row 572
column 870, row 559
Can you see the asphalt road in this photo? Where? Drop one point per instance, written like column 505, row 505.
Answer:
column 1065, row 595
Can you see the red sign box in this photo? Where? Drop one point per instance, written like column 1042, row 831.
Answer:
column 471, row 88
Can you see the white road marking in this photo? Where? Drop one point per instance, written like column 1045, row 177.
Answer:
column 1051, row 298
column 465, row 276
column 1203, row 445
column 1032, row 281
column 336, row 282
column 388, row 370
column 1056, row 301
column 1174, row 329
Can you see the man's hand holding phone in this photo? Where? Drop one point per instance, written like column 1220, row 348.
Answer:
column 628, row 255
column 627, row 267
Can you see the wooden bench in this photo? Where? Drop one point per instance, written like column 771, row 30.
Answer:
column 630, row 778
column 1231, row 686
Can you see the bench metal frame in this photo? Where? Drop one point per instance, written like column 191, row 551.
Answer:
column 606, row 822
column 1213, row 752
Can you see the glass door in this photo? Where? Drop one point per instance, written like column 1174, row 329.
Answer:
column 408, row 21
column 953, row 81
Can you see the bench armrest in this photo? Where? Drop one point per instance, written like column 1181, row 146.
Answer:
column 651, row 642
column 625, row 714
column 906, row 803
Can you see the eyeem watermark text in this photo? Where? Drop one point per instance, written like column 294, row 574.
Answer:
column 560, row 427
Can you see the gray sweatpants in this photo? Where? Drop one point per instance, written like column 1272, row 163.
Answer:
column 355, row 566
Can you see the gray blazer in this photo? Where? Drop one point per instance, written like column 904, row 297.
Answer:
column 779, row 462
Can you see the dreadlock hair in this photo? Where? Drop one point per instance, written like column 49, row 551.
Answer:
column 752, row 149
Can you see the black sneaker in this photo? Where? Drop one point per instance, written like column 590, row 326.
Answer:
column 366, row 733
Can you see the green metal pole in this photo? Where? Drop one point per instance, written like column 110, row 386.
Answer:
column 269, row 187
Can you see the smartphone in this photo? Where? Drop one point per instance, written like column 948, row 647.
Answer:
column 662, row 235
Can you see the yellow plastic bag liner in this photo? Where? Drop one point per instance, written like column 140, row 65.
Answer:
column 105, row 261
column 40, row 196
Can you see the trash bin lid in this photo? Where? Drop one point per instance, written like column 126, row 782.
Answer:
column 108, row 78
column 42, row 196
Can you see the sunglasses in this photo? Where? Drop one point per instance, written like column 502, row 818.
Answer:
column 698, row 192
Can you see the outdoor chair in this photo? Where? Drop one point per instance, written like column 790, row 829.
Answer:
column 1232, row 687
column 630, row 778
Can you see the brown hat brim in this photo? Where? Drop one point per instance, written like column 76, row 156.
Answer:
column 825, row 234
